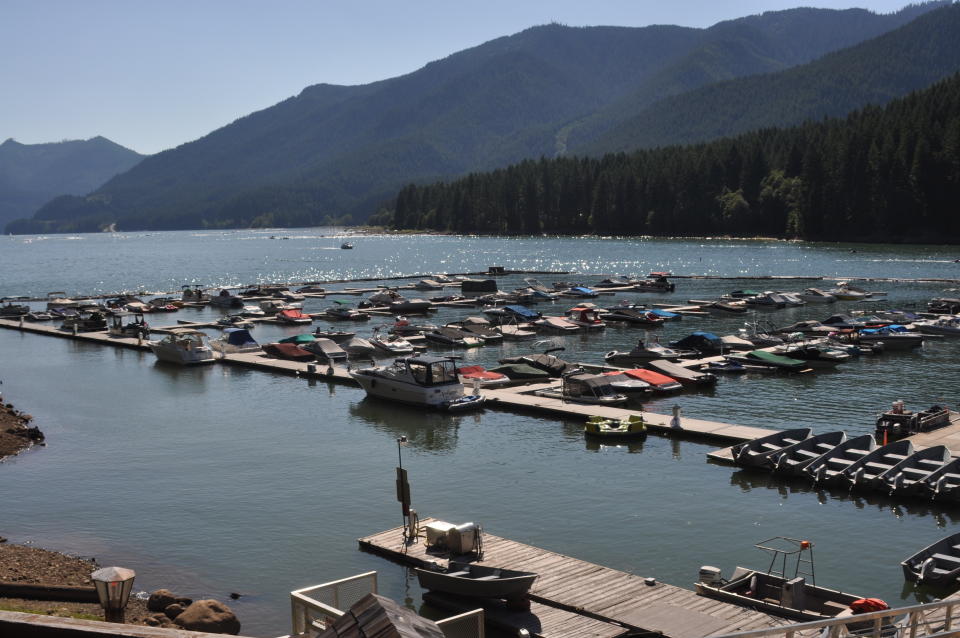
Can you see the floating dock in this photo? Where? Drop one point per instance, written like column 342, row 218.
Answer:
column 574, row 598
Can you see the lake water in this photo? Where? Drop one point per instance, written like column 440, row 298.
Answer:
column 221, row 479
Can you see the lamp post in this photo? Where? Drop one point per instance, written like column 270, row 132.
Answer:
column 113, row 589
column 403, row 487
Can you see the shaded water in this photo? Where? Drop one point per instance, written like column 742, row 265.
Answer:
column 222, row 479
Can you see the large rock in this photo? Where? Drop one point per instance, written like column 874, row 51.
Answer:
column 209, row 615
column 160, row 600
column 174, row 610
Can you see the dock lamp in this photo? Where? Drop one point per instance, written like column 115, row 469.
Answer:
column 114, row 585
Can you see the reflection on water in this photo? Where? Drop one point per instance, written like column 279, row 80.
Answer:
column 427, row 430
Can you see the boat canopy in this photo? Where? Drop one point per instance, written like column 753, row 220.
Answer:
column 583, row 290
column 521, row 371
column 763, row 355
column 699, row 340
column 522, row 312
column 651, row 377
column 586, row 384
column 666, row 314
column 298, row 339
column 428, row 370
column 239, row 337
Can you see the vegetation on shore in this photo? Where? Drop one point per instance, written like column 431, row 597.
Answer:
column 889, row 174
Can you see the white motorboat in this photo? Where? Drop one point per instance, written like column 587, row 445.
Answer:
column 641, row 353
column 945, row 325
column 357, row 347
column 426, row 381
column 184, row 346
column 815, row 295
column 226, row 300
column 252, row 311
column 391, row 344
column 557, row 325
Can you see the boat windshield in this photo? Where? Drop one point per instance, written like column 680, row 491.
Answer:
column 443, row 372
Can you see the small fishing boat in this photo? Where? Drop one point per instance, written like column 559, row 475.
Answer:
column 632, row 427
column 685, row 376
column 394, row 345
column 183, row 346
column 937, row 565
column 792, row 460
column 783, row 589
column 762, row 451
column 827, row 468
column 907, row 478
column 235, row 341
column 868, row 471
column 418, row 380
column 326, row 350
column 477, row 581
column 944, row 483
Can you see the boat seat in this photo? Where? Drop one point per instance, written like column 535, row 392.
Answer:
column 881, row 466
column 840, row 461
column 936, row 462
column 460, row 573
column 899, row 457
column 491, row 577
column 947, row 558
column 826, row 446
column 809, row 453
column 772, row 446
column 916, row 470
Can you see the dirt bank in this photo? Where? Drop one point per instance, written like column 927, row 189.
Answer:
column 16, row 433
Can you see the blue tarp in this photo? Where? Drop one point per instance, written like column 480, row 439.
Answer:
column 239, row 337
column 700, row 340
column 523, row 312
column 895, row 327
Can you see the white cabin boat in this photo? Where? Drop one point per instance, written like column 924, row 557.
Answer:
column 420, row 380
column 184, row 346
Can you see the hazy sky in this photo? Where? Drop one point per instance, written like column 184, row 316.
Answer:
column 152, row 75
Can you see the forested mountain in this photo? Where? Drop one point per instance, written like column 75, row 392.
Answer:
column 873, row 72
column 32, row 174
column 338, row 150
column 883, row 173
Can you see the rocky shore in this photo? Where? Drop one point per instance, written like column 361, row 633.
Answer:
column 16, row 433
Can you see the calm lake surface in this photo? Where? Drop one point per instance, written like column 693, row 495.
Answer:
column 215, row 480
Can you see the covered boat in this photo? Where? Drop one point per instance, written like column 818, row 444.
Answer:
column 511, row 313
column 418, row 380
column 554, row 366
column 815, row 355
column 556, row 325
column 288, row 352
column 301, row 339
column 641, row 317
column 520, row 371
column 686, row 376
column 705, row 343
column 783, row 589
column 770, row 360
column 391, row 344
column 624, row 384
column 235, row 340
column 478, row 375
column 477, row 581
column 762, row 451
column 641, row 353
column 357, row 347
column 293, row 316
column 586, row 317
column 586, row 388
column 454, row 337
column 659, row 382
column 326, row 350
column 937, row 565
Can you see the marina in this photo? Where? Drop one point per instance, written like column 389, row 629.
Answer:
column 252, row 429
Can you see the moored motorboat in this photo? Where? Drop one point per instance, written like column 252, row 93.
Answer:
column 762, row 451
column 642, row 317
column 815, row 295
column 586, row 317
column 135, row 328
column 224, row 299
column 814, row 355
column 631, row 427
column 288, row 352
column 477, row 581
column 477, row 375
column 937, row 565
column 659, row 383
column 235, row 341
column 418, row 380
column 358, row 348
column 908, row 478
column 183, row 346
column 342, row 311
column 771, row 360
column 792, row 460
column 783, row 593
column 453, row 337
column 556, row 325
column 394, row 345
column 944, row 483
column 641, row 353
column 334, row 335
column 326, row 350
column 293, row 316
column 686, row 376
column 585, row 388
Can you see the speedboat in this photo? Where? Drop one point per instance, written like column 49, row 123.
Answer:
column 479, row 327
column 393, row 344
column 586, row 317
column 234, row 341
column 357, row 347
column 625, row 384
column 184, row 346
column 343, row 312
column 455, row 337
column 770, row 360
column 293, row 316
column 629, row 315
column 485, row 378
column 335, row 335
column 946, row 325
column 425, row 381
column 684, row 375
column 226, row 300
column 815, row 295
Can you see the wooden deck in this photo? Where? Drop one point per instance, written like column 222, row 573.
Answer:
column 589, row 592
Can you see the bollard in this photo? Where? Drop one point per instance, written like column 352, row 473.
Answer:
column 675, row 421
column 312, row 368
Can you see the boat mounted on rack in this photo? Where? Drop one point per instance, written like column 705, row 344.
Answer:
column 937, row 565
column 783, row 589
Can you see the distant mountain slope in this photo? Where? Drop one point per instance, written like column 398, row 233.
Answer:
column 32, row 174
column 335, row 150
column 873, row 72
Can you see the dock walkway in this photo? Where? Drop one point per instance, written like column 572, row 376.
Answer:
column 615, row 599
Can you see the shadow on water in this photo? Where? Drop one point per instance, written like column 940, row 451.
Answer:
column 429, row 431
column 941, row 513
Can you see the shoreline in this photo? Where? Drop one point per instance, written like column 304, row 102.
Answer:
column 16, row 433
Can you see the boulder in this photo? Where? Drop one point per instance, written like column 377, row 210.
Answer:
column 186, row 602
column 160, row 600
column 209, row 615
column 174, row 610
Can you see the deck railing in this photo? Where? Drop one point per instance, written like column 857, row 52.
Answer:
column 929, row 620
column 313, row 609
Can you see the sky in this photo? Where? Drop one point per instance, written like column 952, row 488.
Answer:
column 152, row 75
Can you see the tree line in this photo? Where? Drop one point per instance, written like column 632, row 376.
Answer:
column 888, row 173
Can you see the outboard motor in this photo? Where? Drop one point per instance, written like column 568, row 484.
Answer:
column 926, row 568
column 820, row 473
column 710, row 575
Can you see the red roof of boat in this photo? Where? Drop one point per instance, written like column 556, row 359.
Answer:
column 651, row 377
column 478, row 372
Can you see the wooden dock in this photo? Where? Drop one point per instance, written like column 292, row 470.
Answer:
column 594, row 600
